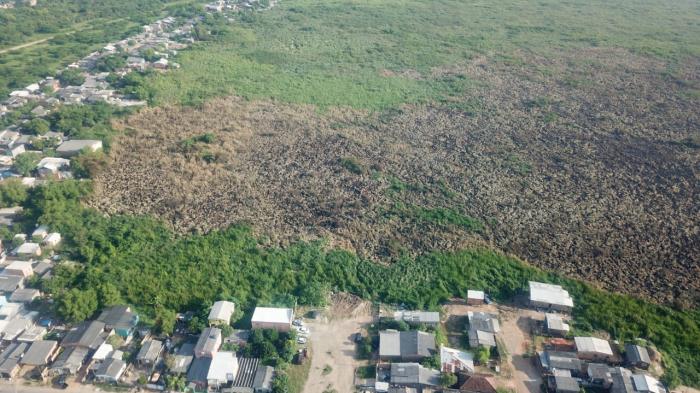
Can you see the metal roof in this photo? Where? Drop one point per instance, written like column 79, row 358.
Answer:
column 273, row 315
column 550, row 294
column 417, row 316
column 39, row 352
column 409, row 343
column 222, row 311
column 150, row 351
column 593, row 345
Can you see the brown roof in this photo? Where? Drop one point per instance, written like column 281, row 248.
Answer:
column 478, row 383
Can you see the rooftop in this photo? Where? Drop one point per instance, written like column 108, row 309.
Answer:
column 39, row 352
column 550, row 294
column 418, row 316
column 593, row 345
column 149, row 351
column 410, row 343
column 273, row 315
column 222, row 311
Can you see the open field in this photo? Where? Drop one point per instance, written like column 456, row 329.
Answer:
column 596, row 180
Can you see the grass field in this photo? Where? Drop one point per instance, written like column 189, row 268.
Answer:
column 378, row 54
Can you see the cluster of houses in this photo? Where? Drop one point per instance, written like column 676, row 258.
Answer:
column 113, row 350
column 161, row 40
column 238, row 5
column 22, row 330
column 568, row 365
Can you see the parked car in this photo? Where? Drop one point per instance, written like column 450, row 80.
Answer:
column 297, row 322
column 301, row 340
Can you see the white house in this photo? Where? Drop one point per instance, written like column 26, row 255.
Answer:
column 550, row 296
column 221, row 313
column 279, row 319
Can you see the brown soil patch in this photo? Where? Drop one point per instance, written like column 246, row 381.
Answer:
column 574, row 164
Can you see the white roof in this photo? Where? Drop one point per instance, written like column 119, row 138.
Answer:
column 273, row 315
column 593, row 345
column 53, row 238
column 462, row 360
column 28, row 248
column 475, row 294
column 222, row 310
column 103, row 351
column 556, row 322
column 381, row 386
column 647, row 383
column 224, row 366
column 53, row 163
column 550, row 293
column 41, row 231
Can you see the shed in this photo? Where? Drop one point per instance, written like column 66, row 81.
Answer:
column 475, row 297
column 183, row 359
column 637, row 356
column 32, row 334
column 428, row 318
column 221, row 313
column 40, row 233
column 103, row 352
column 279, row 319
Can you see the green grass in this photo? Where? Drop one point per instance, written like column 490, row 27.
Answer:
column 377, row 54
column 298, row 373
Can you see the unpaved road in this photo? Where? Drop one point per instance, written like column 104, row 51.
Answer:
column 515, row 333
column 332, row 345
column 20, row 387
column 25, row 45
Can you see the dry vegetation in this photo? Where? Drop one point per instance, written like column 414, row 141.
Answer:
column 587, row 165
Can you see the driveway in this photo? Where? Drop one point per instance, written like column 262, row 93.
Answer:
column 515, row 332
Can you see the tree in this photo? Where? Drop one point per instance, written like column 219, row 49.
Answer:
column 37, row 126
column 196, row 325
column 26, row 162
column 431, row 361
column 76, row 305
column 88, row 164
column 71, row 77
column 175, row 382
column 482, row 355
column 165, row 320
column 12, row 193
column 447, row 379
column 108, row 295
column 281, row 383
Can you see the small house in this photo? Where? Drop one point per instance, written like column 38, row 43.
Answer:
column 120, row 319
column 279, row 319
column 19, row 268
column 208, row 343
column 593, row 349
column 40, row 353
column 69, row 361
column 110, row 371
column 478, row 383
column 426, row 318
column 89, row 335
column 221, row 313
column 74, row 147
column 644, row 383
column 563, row 384
column 24, row 295
column 555, row 325
column 406, row 346
column 413, row 375
column 222, row 370
column 9, row 284
column 637, row 356
column 455, row 361
column 28, row 251
column 149, row 353
column 599, row 375
column 40, row 233
column 52, row 240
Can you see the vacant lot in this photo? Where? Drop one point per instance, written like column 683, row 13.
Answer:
column 586, row 164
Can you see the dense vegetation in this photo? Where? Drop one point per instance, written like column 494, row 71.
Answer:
column 379, row 54
column 139, row 261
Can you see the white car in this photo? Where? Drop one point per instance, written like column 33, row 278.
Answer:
column 301, row 340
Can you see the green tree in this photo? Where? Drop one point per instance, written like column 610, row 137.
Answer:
column 165, row 320
column 108, row 295
column 281, row 383
column 447, row 379
column 482, row 355
column 12, row 193
column 75, row 305
column 25, row 163
column 431, row 361
column 175, row 383
column 71, row 77
column 37, row 126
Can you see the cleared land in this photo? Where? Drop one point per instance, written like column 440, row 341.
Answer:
column 584, row 165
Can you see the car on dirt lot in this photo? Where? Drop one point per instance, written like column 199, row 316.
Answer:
column 297, row 322
column 301, row 340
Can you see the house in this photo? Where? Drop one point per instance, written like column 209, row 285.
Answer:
column 593, row 349
column 475, row 298
column 637, row 356
column 644, row 383
column 10, row 310
column 161, row 64
column 16, row 150
column 88, row 334
column 183, row 359
column 39, row 111
column 553, row 361
column 621, row 381
column 563, row 384
column 478, row 383
column 69, row 361
column 9, row 360
column 24, row 295
column 40, row 353
column 74, row 147
column 279, row 319
column 455, row 361
column 413, row 375
column 221, row 313
column 14, row 328
column 555, row 325
column 223, row 369
column 40, row 233
column 52, row 240
column 149, row 352
column 50, row 166
column 136, row 62
column 405, row 346
column 208, row 343
column 550, row 297
column 103, row 352
column 482, row 329
column 426, row 318
column 28, row 251
column 9, row 214
column 19, row 268
column 120, row 319
column 198, row 372
column 262, row 381
column 41, row 267
column 9, row 284
column 110, row 371
column 599, row 375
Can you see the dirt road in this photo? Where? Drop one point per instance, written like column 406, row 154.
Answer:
column 333, row 360
column 19, row 387
column 515, row 330
column 25, row 45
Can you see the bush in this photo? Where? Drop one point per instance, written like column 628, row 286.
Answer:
column 71, row 77
column 37, row 126
column 25, row 163
column 12, row 193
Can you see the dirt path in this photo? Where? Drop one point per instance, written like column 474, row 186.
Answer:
column 25, row 45
column 333, row 360
column 515, row 330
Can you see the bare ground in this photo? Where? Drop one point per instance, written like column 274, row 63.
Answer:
column 587, row 165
